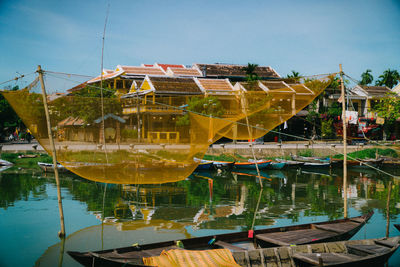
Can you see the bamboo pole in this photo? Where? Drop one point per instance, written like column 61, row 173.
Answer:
column 387, row 208
column 61, row 233
column 344, row 141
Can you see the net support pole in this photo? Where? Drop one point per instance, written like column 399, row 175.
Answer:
column 61, row 234
column 388, row 208
column 344, row 140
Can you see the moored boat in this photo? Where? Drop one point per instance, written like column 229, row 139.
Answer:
column 311, row 159
column 276, row 165
column 290, row 163
column 213, row 164
column 251, row 165
column 49, row 167
column 342, row 229
column 5, row 163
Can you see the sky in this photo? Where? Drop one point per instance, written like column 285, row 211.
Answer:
column 309, row 36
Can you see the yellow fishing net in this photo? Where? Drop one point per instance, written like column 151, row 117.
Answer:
column 178, row 257
column 152, row 136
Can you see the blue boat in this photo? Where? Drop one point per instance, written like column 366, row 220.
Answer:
column 276, row 165
column 251, row 165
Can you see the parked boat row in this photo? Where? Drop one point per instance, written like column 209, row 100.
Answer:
column 240, row 242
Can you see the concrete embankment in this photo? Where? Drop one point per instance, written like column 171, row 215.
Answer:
column 244, row 149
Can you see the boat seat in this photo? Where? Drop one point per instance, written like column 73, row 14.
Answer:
column 327, row 258
column 385, row 243
column 228, row 246
column 337, row 227
column 295, row 237
column 367, row 249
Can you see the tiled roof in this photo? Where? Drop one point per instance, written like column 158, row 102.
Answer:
column 142, row 71
column 71, row 121
column 147, row 65
column 165, row 85
column 301, row 89
column 277, row 86
column 252, row 86
column 77, row 88
column 217, row 85
column 376, row 90
column 105, row 77
column 166, row 66
column 185, row 72
column 227, row 70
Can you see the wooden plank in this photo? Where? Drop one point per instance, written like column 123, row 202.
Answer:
column 295, row 237
column 270, row 257
column 335, row 247
column 318, row 248
column 328, row 228
column 228, row 246
column 370, row 249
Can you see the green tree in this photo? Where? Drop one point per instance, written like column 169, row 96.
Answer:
column 366, row 77
column 389, row 78
column 210, row 106
column 251, row 75
column 388, row 107
column 294, row 74
column 8, row 117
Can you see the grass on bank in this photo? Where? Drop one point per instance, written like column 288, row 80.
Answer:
column 27, row 162
column 370, row 153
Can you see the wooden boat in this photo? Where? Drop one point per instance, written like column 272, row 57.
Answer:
column 251, row 165
column 291, row 163
column 316, row 164
column 213, row 164
column 276, row 165
column 342, row 229
column 366, row 252
column 48, row 167
column 311, row 159
column 5, row 163
column 364, row 163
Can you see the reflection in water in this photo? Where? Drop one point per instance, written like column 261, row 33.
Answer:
column 206, row 203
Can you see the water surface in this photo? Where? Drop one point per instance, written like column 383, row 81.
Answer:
column 204, row 204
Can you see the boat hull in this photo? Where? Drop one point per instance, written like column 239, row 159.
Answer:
column 252, row 165
column 233, row 241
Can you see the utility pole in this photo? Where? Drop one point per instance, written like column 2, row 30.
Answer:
column 344, row 141
column 61, row 234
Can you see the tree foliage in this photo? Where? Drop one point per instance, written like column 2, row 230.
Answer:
column 389, row 107
column 8, row 117
column 366, row 77
column 389, row 78
column 251, row 75
column 210, row 106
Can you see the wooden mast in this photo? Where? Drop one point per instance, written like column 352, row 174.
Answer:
column 344, row 141
column 53, row 150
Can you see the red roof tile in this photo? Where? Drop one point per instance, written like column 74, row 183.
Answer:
column 165, row 66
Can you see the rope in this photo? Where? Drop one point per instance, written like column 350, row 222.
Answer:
column 17, row 78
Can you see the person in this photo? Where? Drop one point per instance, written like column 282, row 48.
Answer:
column 28, row 136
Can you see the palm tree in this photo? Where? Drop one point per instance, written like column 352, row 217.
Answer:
column 294, row 74
column 250, row 72
column 366, row 77
column 389, row 78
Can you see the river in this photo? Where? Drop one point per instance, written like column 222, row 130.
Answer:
column 205, row 203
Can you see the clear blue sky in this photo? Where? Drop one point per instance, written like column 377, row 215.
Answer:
column 310, row 37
